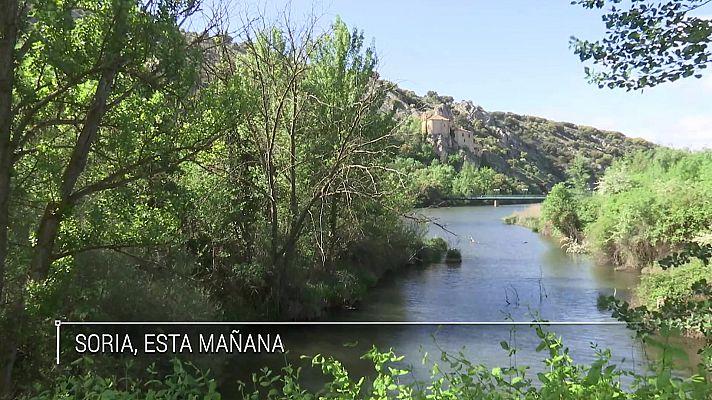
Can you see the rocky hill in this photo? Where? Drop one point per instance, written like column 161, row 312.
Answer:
column 535, row 151
column 532, row 150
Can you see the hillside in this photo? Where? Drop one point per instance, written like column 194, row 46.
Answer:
column 532, row 152
column 536, row 152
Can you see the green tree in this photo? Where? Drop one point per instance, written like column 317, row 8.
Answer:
column 433, row 183
column 92, row 103
column 316, row 146
column 473, row 181
column 560, row 208
column 579, row 173
column 647, row 43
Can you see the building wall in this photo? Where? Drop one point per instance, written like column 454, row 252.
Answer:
column 438, row 131
column 465, row 138
column 438, row 127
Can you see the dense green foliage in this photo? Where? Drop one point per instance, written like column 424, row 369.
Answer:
column 685, row 302
column 430, row 181
column 645, row 206
column 453, row 256
column 185, row 381
column 433, row 250
column 147, row 173
column 453, row 377
column 652, row 203
column 673, row 284
column 655, row 206
column 647, row 42
column 153, row 174
column 560, row 209
column 651, row 210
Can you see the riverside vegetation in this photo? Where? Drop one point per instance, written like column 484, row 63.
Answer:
column 453, row 377
column 147, row 173
column 152, row 174
column 651, row 211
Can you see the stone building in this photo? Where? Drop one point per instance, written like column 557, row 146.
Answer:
column 465, row 139
column 445, row 137
column 435, row 125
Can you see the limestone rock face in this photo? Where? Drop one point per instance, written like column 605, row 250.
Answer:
column 444, row 111
column 473, row 112
column 534, row 150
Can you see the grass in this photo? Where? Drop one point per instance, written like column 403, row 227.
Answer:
column 530, row 217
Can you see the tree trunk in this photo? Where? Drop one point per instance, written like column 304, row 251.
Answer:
column 274, row 235
column 11, row 331
column 333, row 235
column 9, row 356
column 293, row 207
column 8, row 40
column 55, row 211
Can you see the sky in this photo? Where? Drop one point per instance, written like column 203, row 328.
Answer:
column 512, row 55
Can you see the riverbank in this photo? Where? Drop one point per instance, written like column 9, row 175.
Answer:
column 506, row 272
column 530, row 218
column 370, row 271
column 634, row 221
column 655, row 286
column 494, row 282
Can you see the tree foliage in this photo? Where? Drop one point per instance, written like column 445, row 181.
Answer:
column 647, row 43
column 94, row 118
column 651, row 210
column 580, row 174
column 140, row 160
column 560, row 209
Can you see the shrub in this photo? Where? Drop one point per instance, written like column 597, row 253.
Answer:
column 454, row 378
column 560, row 208
column 453, row 256
column 674, row 283
column 433, row 250
column 185, row 382
column 648, row 205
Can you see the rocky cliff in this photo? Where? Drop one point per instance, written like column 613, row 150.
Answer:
column 535, row 151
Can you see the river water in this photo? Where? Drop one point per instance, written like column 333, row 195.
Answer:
column 507, row 272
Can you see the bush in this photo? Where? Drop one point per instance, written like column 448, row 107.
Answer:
column 459, row 378
column 433, row 250
column 560, row 209
column 649, row 205
column 185, row 382
column 453, row 256
column 674, row 283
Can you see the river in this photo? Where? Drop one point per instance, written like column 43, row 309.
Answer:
column 507, row 272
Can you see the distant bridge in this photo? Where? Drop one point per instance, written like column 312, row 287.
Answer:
column 495, row 198
column 502, row 197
